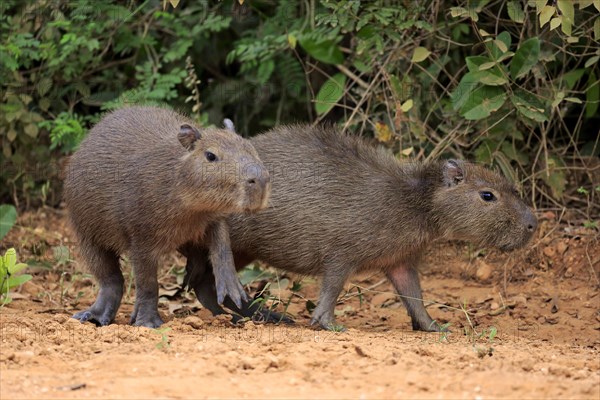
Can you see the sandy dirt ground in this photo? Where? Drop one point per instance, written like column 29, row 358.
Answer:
column 525, row 325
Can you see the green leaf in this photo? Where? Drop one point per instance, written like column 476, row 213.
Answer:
column 407, row 105
column 572, row 77
column 474, row 62
column 485, row 71
column 505, row 56
column 528, row 105
column 498, row 47
column 559, row 98
column 555, row 22
column 460, row 95
column 501, row 45
column 482, row 102
column 567, row 9
column 574, row 100
column 592, row 96
column 31, row 130
column 17, row 267
column 265, row 70
column 16, row 281
column 515, row 11
column 495, row 76
column 292, row 40
column 592, row 61
column 8, row 217
column 326, row 51
column 525, row 58
column 597, row 28
column 330, row 93
column 546, row 14
column 9, row 260
column 420, row 54
column 487, row 65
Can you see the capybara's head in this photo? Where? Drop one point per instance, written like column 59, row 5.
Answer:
column 223, row 169
column 481, row 206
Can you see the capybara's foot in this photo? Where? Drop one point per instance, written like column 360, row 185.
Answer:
column 228, row 284
column 146, row 316
column 271, row 317
column 328, row 326
column 429, row 326
column 98, row 317
column 104, row 309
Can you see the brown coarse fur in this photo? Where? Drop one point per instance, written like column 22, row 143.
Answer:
column 339, row 205
column 142, row 182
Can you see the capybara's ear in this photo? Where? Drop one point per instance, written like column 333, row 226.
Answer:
column 228, row 124
column 187, row 136
column 453, row 172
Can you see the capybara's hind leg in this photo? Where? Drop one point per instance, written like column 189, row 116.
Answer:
column 104, row 265
column 405, row 279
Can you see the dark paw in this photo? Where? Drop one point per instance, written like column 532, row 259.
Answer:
column 229, row 285
column 432, row 326
column 328, row 325
column 151, row 321
column 99, row 319
column 271, row 317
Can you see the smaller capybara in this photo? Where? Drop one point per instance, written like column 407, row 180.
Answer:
column 147, row 181
column 339, row 205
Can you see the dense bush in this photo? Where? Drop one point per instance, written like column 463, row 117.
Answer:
column 510, row 83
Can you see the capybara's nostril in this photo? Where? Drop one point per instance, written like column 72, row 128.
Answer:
column 531, row 221
column 251, row 181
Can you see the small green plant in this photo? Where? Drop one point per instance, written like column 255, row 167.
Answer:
column 493, row 331
column 337, row 328
column 164, row 338
column 590, row 224
column 444, row 329
column 8, row 278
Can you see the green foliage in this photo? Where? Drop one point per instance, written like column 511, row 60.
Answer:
column 512, row 84
column 8, row 278
column 8, row 217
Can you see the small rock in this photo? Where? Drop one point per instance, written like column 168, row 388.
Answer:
column 520, row 300
column 561, row 247
column 62, row 318
column 273, row 362
column 549, row 251
column 193, row 321
column 484, row 271
column 569, row 273
column 494, row 306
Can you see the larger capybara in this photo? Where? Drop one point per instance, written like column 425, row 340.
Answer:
column 147, row 181
column 339, row 205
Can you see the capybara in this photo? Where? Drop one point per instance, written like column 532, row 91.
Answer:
column 147, row 181
column 339, row 205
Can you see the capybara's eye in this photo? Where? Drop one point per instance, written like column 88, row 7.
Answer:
column 487, row 196
column 210, row 156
